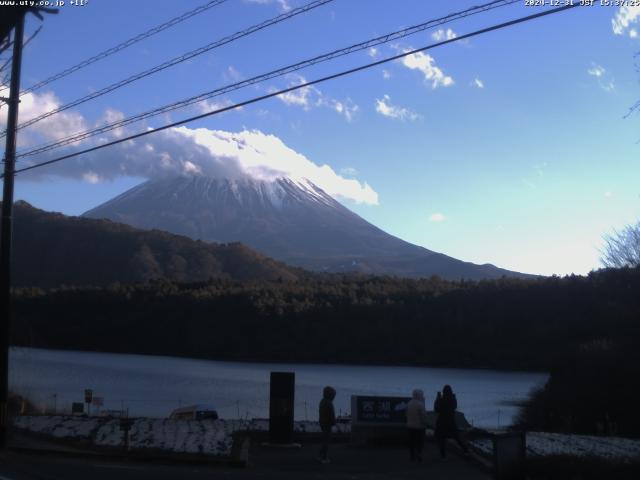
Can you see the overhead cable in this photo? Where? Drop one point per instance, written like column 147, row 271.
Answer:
column 123, row 45
column 393, row 36
column 304, row 85
column 176, row 61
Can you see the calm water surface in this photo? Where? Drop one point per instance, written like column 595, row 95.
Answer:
column 154, row 386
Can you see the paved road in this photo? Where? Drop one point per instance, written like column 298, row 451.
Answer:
column 265, row 463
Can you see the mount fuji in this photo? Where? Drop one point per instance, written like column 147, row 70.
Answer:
column 290, row 220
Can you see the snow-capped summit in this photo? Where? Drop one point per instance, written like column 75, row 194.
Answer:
column 290, row 220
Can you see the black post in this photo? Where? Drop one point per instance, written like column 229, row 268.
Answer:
column 281, row 405
column 7, row 220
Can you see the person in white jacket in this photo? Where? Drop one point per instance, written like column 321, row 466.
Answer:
column 416, row 425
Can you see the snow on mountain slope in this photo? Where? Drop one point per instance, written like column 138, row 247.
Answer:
column 291, row 220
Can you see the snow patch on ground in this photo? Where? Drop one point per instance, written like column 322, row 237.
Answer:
column 214, row 437
column 541, row 444
column 303, row 426
column 210, row 437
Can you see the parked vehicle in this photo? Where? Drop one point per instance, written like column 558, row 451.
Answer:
column 113, row 413
column 195, row 412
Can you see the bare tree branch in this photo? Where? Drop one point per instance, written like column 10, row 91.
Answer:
column 622, row 248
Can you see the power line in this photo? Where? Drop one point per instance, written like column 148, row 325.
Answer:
column 177, row 60
column 6, row 45
column 26, row 42
column 304, row 85
column 123, row 45
column 76, row 137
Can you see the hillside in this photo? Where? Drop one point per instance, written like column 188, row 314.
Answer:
column 52, row 249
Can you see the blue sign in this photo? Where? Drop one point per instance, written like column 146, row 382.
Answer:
column 385, row 410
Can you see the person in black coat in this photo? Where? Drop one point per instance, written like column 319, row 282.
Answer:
column 445, row 406
column 327, row 417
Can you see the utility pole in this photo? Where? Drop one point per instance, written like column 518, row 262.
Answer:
column 12, row 18
column 7, row 221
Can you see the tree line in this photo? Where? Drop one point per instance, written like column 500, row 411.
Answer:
column 583, row 329
column 520, row 324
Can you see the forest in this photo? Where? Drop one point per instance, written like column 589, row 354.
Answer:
column 584, row 330
column 507, row 323
column 51, row 249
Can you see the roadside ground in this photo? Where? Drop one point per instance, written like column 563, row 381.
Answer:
column 269, row 463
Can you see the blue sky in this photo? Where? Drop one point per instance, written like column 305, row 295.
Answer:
column 509, row 148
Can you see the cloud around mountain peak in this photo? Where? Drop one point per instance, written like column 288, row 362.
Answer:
column 193, row 151
column 266, row 157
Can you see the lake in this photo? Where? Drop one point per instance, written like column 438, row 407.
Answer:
column 153, row 386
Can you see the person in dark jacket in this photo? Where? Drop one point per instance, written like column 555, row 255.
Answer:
column 445, row 406
column 327, row 416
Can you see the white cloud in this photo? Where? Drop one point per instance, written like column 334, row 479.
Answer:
column 232, row 74
column 51, row 128
column 192, row 168
column 348, row 171
column 386, row 74
column 608, row 86
column 624, row 18
column 91, row 177
column 596, row 70
column 441, row 34
column 298, row 97
column 425, row 64
column 372, row 52
column 347, row 108
column 284, row 4
column 385, row 108
column 206, row 106
column 217, row 153
column 478, row 83
column 180, row 151
column 111, row 116
column 608, row 194
column 604, row 79
column 437, row 217
column 304, row 97
column 266, row 157
column 310, row 97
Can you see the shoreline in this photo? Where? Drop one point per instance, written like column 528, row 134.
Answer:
column 292, row 362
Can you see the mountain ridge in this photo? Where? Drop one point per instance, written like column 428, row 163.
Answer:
column 52, row 249
column 293, row 221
